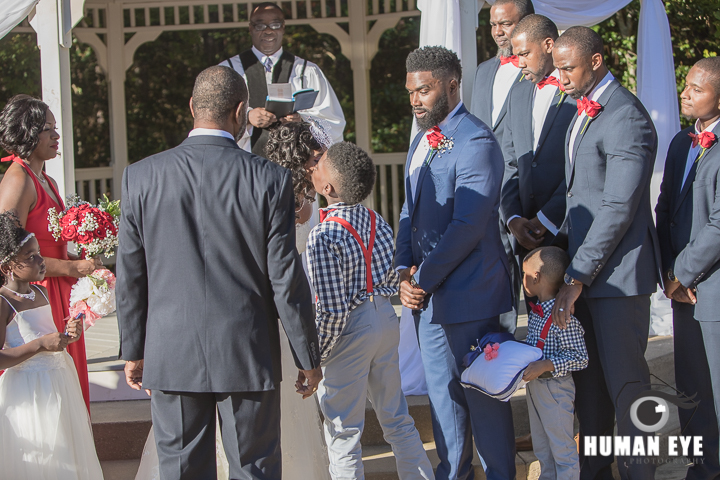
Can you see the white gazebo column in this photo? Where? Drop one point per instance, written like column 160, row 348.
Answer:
column 360, row 64
column 53, row 22
column 116, row 97
column 468, row 46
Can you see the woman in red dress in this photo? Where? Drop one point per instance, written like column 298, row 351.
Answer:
column 27, row 130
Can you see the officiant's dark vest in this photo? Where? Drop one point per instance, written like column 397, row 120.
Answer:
column 257, row 87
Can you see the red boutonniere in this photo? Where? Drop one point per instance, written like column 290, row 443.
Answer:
column 705, row 139
column 438, row 141
column 590, row 108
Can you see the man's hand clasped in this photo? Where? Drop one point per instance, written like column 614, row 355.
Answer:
column 675, row 290
column 313, row 378
column 529, row 233
column 134, row 374
column 411, row 296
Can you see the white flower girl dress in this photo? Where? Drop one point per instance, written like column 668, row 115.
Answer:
column 45, row 430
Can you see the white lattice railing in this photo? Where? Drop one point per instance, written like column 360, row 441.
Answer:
column 92, row 183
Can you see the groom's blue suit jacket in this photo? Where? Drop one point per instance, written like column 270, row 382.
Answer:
column 448, row 226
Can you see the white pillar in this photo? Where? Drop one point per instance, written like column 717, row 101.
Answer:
column 116, row 97
column 468, row 40
column 360, row 64
column 55, row 65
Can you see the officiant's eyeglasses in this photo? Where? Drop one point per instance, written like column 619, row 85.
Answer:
column 259, row 27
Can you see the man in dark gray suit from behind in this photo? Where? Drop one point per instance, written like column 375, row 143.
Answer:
column 494, row 79
column 688, row 218
column 206, row 265
column 539, row 112
column 613, row 245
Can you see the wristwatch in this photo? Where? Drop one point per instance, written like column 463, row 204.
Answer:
column 671, row 276
column 569, row 281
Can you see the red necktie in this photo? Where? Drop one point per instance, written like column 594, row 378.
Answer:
column 511, row 59
column 537, row 309
column 588, row 106
column 550, row 81
column 705, row 139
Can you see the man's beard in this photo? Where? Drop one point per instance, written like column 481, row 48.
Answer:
column 435, row 115
column 578, row 93
column 504, row 52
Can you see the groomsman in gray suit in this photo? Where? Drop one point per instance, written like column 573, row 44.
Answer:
column 493, row 80
column 538, row 115
column 613, row 244
column 688, row 218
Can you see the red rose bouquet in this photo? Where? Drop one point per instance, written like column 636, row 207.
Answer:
column 93, row 228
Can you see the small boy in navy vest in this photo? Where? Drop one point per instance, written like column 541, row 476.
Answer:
column 350, row 255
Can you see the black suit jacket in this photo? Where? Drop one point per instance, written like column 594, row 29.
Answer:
column 482, row 96
column 206, row 264
column 688, row 219
column 611, row 234
column 535, row 179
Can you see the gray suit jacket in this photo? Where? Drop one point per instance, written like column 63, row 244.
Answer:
column 688, row 222
column 206, row 264
column 535, row 179
column 481, row 105
column 611, row 234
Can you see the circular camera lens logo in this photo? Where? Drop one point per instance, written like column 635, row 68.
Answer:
column 650, row 413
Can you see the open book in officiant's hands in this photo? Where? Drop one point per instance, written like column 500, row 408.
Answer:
column 281, row 100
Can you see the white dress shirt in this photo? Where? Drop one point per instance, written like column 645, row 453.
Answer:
column 695, row 151
column 211, row 132
column 504, row 79
column 542, row 99
column 594, row 95
column 326, row 107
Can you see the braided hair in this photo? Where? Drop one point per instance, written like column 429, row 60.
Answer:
column 12, row 235
column 291, row 145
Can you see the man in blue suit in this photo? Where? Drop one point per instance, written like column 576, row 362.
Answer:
column 687, row 217
column 453, row 270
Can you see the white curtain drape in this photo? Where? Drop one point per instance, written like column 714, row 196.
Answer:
column 14, row 12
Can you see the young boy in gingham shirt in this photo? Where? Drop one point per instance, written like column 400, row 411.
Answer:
column 551, row 390
column 357, row 326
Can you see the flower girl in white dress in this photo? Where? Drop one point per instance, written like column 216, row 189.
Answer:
column 45, row 431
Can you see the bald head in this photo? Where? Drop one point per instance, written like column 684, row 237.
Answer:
column 268, row 5
column 536, row 28
column 584, row 40
column 217, row 94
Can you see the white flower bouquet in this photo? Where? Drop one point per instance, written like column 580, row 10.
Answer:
column 93, row 296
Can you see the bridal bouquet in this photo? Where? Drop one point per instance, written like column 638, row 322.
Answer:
column 93, row 228
column 93, row 296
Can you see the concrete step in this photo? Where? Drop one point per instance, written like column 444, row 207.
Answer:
column 120, row 469
column 120, row 428
column 379, row 463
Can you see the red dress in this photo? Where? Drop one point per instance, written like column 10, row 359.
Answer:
column 57, row 287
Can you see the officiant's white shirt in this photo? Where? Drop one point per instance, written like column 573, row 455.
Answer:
column 327, row 107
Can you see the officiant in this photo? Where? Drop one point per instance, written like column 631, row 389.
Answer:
column 267, row 62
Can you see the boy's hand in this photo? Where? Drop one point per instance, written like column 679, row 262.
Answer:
column 535, row 369
column 411, row 297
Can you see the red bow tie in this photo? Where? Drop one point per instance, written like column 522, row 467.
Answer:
column 588, row 106
column 550, row 81
column 511, row 59
column 323, row 213
column 537, row 309
column 705, row 139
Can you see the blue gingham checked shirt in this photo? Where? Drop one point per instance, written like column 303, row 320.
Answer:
column 564, row 348
column 336, row 266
